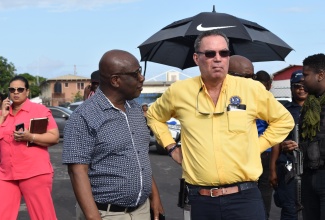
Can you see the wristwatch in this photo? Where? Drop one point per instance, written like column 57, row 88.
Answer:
column 171, row 150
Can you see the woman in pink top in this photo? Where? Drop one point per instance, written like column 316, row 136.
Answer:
column 25, row 170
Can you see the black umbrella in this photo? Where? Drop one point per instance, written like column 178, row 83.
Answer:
column 173, row 45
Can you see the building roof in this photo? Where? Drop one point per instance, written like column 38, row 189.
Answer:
column 158, row 83
column 285, row 73
column 69, row 77
column 286, row 68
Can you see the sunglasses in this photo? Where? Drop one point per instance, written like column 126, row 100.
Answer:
column 204, row 113
column 19, row 89
column 297, row 86
column 134, row 74
column 213, row 53
column 245, row 75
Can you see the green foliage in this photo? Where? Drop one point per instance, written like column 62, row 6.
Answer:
column 34, row 82
column 77, row 97
column 7, row 71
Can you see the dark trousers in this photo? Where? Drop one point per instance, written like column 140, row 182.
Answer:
column 264, row 184
column 313, row 194
column 244, row 205
column 285, row 195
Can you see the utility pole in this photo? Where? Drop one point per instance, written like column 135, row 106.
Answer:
column 75, row 70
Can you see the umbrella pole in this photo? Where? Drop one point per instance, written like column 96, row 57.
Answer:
column 145, row 68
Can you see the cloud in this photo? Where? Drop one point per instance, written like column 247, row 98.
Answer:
column 59, row 5
column 44, row 66
column 296, row 9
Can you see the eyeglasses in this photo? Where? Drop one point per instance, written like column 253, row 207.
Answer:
column 204, row 113
column 134, row 74
column 245, row 75
column 19, row 89
column 213, row 53
column 297, row 86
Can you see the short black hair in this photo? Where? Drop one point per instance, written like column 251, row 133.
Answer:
column 21, row 78
column 316, row 62
column 262, row 76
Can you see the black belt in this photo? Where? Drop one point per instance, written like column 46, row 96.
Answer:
column 115, row 208
column 214, row 190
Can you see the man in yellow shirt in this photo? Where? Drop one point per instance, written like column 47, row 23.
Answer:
column 220, row 153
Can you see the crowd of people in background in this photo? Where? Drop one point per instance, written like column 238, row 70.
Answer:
column 238, row 143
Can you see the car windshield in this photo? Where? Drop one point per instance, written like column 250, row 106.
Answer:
column 74, row 105
column 65, row 110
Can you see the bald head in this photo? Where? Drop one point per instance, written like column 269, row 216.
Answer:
column 240, row 66
column 114, row 62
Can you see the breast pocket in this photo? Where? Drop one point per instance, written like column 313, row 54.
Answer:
column 237, row 121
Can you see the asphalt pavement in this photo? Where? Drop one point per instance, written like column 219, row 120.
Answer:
column 166, row 173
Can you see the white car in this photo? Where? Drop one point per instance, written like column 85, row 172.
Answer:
column 175, row 130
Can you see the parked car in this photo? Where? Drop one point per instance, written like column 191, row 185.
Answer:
column 61, row 115
column 74, row 105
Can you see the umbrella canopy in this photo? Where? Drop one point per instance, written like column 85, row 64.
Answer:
column 174, row 44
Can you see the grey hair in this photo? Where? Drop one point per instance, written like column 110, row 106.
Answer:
column 198, row 40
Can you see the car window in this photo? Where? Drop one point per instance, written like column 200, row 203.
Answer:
column 57, row 113
column 73, row 107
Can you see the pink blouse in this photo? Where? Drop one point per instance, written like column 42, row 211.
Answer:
column 17, row 160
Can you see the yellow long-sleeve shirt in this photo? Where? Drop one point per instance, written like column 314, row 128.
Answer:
column 224, row 147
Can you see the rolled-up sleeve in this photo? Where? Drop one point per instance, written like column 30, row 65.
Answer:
column 277, row 116
column 157, row 115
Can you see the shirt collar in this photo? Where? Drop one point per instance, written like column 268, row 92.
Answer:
column 26, row 106
column 223, row 87
column 104, row 102
column 293, row 103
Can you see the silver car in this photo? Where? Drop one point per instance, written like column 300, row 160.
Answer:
column 60, row 115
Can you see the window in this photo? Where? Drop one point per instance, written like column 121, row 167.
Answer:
column 66, row 85
column 80, row 86
column 58, row 87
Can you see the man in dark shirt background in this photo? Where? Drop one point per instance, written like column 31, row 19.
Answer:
column 91, row 89
column 285, row 192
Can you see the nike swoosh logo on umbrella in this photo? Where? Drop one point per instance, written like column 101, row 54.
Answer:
column 200, row 28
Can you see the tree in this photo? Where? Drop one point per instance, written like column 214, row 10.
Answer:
column 77, row 97
column 34, row 82
column 7, row 71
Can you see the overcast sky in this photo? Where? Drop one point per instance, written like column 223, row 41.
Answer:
column 52, row 38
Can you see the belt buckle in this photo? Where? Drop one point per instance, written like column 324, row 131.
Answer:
column 211, row 193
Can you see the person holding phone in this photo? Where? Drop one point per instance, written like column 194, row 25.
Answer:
column 91, row 89
column 1, row 98
column 25, row 170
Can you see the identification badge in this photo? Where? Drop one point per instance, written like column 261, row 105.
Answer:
column 187, row 212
